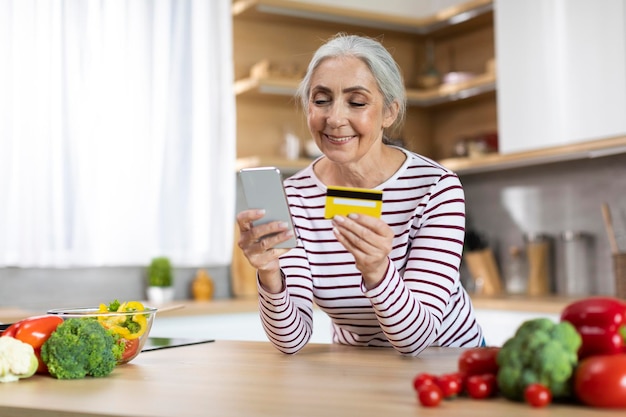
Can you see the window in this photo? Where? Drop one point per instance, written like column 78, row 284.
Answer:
column 117, row 132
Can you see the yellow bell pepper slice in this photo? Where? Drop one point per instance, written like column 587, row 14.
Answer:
column 126, row 326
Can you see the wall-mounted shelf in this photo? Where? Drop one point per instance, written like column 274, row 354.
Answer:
column 570, row 152
column 486, row 163
column 286, row 166
column 284, row 10
column 481, row 84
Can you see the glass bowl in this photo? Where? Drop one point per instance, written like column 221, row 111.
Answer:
column 133, row 336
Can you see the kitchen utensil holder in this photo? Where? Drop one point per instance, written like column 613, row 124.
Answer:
column 539, row 252
column 484, row 271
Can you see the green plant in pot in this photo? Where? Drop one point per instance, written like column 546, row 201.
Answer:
column 160, row 278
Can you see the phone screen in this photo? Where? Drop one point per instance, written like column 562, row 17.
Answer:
column 263, row 189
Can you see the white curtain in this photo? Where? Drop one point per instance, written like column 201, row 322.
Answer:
column 117, row 132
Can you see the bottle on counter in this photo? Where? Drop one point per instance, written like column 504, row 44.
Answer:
column 202, row 286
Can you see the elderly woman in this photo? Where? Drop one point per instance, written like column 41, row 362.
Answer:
column 390, row 281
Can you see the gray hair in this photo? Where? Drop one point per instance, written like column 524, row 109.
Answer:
column 384, row 68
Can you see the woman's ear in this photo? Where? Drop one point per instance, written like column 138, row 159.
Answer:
column 391, row 114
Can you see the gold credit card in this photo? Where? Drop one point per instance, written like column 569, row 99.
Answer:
column 345, row 200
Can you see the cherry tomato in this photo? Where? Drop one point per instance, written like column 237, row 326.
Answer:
column 481, row 386
column 449, row 385
column 423, row 378
column 429, row 395
column 130, row 349
column 460, row 378
column 35, row 331
column 537, row 395
column 479, row 361
column 600, row 381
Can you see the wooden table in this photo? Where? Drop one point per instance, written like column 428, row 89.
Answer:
column 248, row 379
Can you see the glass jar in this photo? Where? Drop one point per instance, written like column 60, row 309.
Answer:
column 574, row 266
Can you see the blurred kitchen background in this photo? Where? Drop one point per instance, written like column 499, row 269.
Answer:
column 524, row 100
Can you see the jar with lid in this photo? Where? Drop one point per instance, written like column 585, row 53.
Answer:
column 516, row 271
column 574, row 265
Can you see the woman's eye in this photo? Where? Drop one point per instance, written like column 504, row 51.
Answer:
column 321, row 102
column 357, row 104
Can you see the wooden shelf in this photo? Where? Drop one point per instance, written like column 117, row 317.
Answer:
column 570, row 152
column 481, row 84
column 273, row 86
column 487, row 163
column 290, row 11
column 550, row 304
column 286, row 166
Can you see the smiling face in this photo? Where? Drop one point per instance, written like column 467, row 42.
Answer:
column 346, row 114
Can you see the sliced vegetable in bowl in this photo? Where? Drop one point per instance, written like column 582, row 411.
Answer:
column 127, row 326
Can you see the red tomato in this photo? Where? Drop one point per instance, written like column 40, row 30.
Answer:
column 423, row 378
column 600, row 381
column 34, row 331
column 130, row 348
column 429, row 395
column 460, row 378
column 449, row 385
column 479, row 361
column 480, row 386
column 537, row 395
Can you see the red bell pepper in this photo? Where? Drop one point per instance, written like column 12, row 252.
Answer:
column 601, row 322
column 34, row 331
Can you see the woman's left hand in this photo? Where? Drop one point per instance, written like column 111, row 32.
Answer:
column 369, row 240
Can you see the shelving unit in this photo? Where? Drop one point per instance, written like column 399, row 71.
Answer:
column 429, row 110
column 265, row 103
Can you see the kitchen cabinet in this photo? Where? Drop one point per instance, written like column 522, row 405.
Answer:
column 561, row 72
column 274, row 40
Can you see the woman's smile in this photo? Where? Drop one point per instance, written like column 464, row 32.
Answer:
column 338, row 139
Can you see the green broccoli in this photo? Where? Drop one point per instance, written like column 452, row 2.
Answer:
column 80, row 347
column 540, row 351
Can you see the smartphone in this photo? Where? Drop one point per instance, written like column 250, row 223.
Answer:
column 263, row 189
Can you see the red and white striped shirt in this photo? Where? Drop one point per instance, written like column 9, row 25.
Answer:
column 419, row 303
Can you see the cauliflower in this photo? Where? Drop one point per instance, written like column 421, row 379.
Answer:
column 17, row 359
column 541, row 351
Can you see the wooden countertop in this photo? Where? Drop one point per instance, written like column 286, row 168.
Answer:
column 234, row 378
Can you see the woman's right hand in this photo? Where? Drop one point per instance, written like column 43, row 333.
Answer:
column 257, row 246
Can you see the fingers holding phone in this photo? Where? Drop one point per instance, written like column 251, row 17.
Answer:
column 263, row 190
column 258, row 243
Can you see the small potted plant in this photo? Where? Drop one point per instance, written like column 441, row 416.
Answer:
column 160, row 289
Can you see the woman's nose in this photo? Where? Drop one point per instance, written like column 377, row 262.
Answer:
column 336, row 115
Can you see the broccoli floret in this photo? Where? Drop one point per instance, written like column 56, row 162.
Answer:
column 80, row 347
column 541, row 351
column 17, row 359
